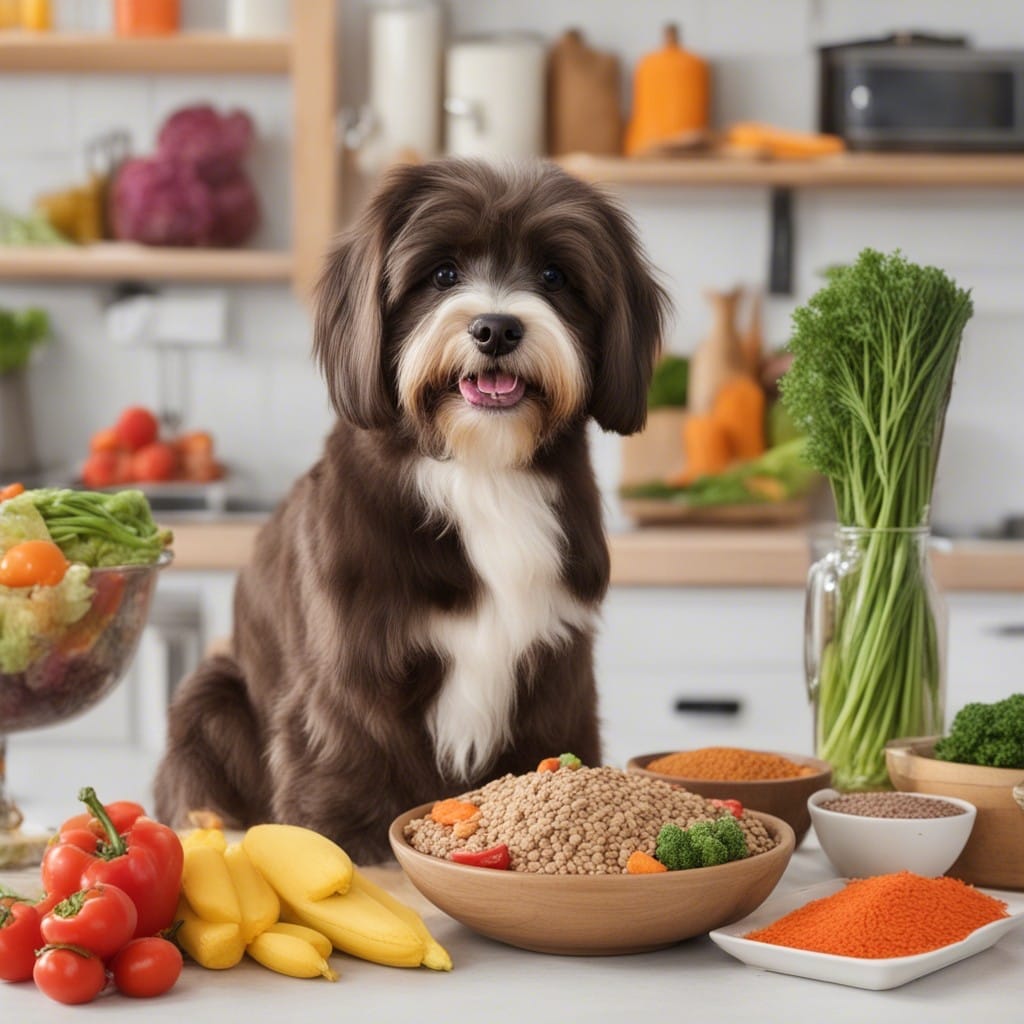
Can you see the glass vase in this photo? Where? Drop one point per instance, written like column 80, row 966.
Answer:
column 875, row 650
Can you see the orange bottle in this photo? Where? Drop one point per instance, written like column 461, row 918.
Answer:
column 671, row 96
column 147, row 17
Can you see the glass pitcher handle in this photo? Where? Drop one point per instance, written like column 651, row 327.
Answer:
column 819, row 612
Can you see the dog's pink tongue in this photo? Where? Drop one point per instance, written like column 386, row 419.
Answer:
column 492, row 390
column 497, row 383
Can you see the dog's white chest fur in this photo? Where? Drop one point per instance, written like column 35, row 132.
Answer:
column 514, row 541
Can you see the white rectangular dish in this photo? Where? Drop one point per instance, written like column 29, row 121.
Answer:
column 854, row 971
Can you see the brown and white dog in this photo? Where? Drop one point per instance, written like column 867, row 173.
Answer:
column 418, row 615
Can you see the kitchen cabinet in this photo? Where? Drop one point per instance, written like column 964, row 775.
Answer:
column 682, row 667
column 306, row 57
column 782, row 177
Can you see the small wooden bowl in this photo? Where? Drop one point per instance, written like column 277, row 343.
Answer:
column 594, row 915
column 783, row 798
column 994, row 854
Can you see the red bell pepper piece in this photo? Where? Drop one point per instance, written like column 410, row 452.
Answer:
column 145, row 861
column 121, row 812
column 493, row 857
column 733, row 806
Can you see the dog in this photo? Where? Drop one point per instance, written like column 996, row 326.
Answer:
column 418, row 614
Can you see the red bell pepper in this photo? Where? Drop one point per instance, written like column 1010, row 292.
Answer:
column 493, row 857
column 145, row 861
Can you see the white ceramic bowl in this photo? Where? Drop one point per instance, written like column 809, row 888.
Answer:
column 859, row 846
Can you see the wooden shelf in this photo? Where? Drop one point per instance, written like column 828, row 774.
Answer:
column 916, row 170
column 116, row 261
column 193, row 53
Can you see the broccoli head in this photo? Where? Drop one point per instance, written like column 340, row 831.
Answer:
column 986, row 734
column 702, row 845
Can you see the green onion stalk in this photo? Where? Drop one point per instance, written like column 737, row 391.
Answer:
column 874, row 353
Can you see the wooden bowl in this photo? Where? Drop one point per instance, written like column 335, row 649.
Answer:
column 994, row 854
column 594, row 915
column 783, row 798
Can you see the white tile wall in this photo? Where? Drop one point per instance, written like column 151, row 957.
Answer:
column 262, row 396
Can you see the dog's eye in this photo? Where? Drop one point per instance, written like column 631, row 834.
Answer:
column 552, row 279
column 446, row 276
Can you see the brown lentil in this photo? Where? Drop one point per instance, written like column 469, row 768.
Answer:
column 891, row 805
column 582, row 822
column 731, row 763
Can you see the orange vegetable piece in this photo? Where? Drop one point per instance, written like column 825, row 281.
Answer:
column 706, row 445
column 641, row 863
column 739, row 409
column 550, row 764
column 33, row 563
column 11, row 491
column 105, row 440
column 448, row 812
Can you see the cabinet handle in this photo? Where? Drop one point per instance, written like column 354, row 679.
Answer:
column 1008, row 629
column 696, row 706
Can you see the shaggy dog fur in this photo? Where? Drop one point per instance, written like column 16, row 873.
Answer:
column 418, row 614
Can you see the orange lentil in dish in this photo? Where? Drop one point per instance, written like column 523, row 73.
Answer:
column 731, row 763
column 900, row 914
column 582, row 822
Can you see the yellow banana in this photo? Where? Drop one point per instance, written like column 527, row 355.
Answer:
column 216, row 945
column 357, row 924
column 289, row 954
column 299, row 863
column 206, row 883
column 205, row 837
column 316, row 939
column 435, row 956
column 257, row 901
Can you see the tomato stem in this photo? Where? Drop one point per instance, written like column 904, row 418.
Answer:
column 115, row 845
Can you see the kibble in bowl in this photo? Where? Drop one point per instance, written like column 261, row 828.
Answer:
column 865, row 834
column 569, row 835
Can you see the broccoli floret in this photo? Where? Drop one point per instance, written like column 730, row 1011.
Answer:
column 569, row 761
column 730, row 835
column 702, row 845
column 987, row 734
column 675, row 850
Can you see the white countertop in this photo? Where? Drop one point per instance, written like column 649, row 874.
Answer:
column 497, row 984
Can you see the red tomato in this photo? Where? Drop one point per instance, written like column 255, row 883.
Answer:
column 493, row 857
column 105, row 440
column 33, row 563
column 101, row 469
column 19, row 939
column 146, row 967
column 136, row 427
column 154, row 462
column 100, row 919
column 68, row 975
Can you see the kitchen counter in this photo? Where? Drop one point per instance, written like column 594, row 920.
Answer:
column 664, row 556
column 495, row 983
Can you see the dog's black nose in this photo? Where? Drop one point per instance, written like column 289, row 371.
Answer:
column 496, row 334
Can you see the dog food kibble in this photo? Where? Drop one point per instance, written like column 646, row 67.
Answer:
column 891, row 805
column 731, row 763
column 583, row 822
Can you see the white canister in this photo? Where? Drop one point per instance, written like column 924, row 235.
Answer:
column 259, row 17
column 494, row 96
column 405, row 70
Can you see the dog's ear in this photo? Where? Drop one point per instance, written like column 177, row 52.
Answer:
column 348, row 330
column 632, row 330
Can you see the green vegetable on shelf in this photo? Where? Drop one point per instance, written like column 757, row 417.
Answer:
column 20, row 333
column 873, row 359
column 669, row 383
column 986, row 734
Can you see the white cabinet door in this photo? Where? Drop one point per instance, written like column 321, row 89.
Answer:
column 986, row 648
column 679, row 668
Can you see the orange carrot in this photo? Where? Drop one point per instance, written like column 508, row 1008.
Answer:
column 11, row 491
column 550, row 764
column 641, row 863
column 448, row 812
